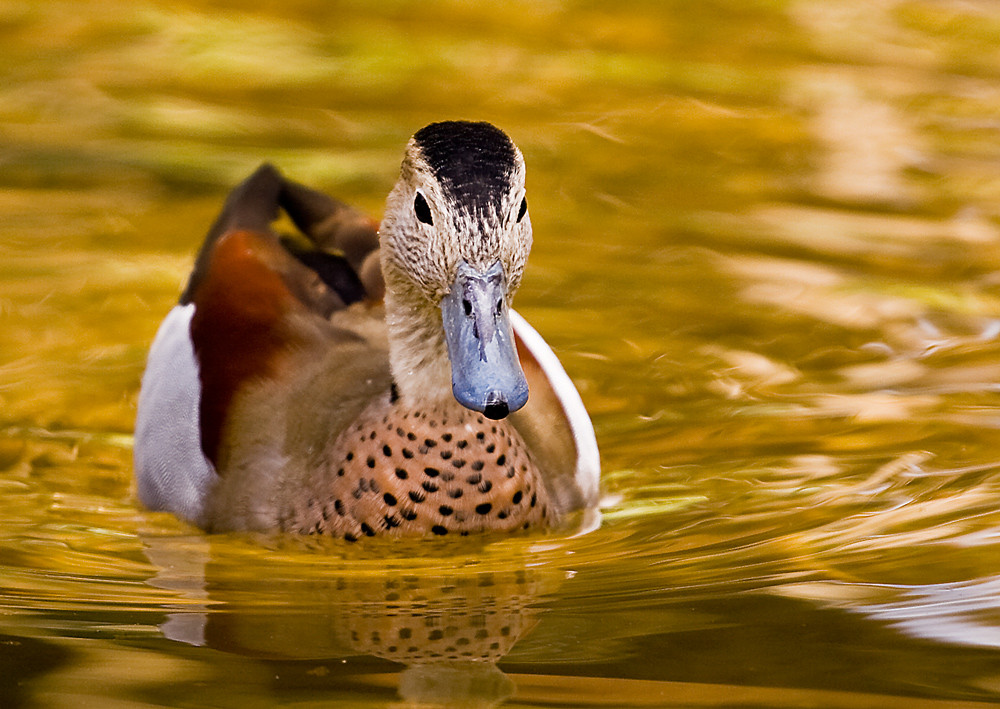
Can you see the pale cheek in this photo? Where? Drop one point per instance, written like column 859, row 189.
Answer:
column 425, row 266
column 516, row 258
column 513, row 269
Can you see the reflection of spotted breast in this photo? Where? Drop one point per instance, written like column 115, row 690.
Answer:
column 441, row 470
column 461, row 616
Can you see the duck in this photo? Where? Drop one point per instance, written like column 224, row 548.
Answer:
column 325, row 374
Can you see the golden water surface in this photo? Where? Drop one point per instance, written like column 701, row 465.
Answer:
column 767, row 249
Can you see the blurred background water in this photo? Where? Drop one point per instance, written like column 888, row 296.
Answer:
column 767, row 249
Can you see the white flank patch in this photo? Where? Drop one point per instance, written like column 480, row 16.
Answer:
column 171, row 472
column 588, row 459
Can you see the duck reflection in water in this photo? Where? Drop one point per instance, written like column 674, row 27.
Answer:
column 446, row 622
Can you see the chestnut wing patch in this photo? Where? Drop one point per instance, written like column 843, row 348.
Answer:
column 238, row 328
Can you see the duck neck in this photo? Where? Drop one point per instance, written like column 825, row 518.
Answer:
column 418, row 353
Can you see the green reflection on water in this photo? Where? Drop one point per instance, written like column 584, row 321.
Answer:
column 766, row 251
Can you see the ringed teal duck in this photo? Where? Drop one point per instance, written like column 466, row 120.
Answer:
column 355, row 381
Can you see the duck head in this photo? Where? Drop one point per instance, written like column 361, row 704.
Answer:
column 454, row 242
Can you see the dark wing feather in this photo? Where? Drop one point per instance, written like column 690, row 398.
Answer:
column 342, row 264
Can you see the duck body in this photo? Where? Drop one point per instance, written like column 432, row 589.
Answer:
column 356, row 383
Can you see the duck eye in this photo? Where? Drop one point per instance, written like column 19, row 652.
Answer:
column 422, row 210
column 523, row 210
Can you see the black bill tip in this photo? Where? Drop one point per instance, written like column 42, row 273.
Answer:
column 496, row 406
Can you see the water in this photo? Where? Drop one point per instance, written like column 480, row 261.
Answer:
column 767, row 239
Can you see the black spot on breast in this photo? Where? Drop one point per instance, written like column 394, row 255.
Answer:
column 477, row 465
column 445, row 510
column 386, row 451
column 401, row 474
column 446, row 437
column 370, row 462
column 407, row 453
column 517, row 497
column 417, row 496
column 389, row 499
column 367, row 529
column 484, row 509
column 439, row 530
column 429, row 486
column 431, row 472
